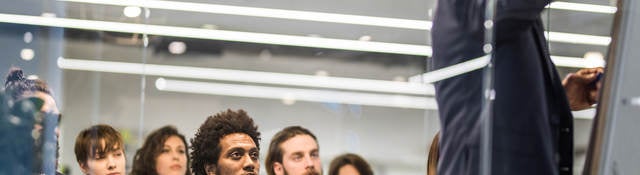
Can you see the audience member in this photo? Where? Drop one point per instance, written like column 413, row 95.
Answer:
column 164, row 152
column 34, row 111
column 294, row 151
column 99, row 150
column 349, row 164
column 227, row 143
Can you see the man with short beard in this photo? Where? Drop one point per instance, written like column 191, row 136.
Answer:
column 294, row 151
column 227, row 143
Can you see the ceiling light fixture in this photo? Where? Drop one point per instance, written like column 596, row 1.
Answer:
column 269, row 13
column 315, row 16
column 224, row 35
column 295, row 94
column 594, row 59
column 480, row 62
column 263, row 38
column 272, row 78
column 570, row 62
column 365, row 38
column 131, row 11
column 177, row 47
column 33, row 77
column 27, row 54
column 583, row 7
column 27, row 37
column 578, row 38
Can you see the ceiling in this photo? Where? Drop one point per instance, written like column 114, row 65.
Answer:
column 555, row 19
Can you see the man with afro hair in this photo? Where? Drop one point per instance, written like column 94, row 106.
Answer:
column 226, row 143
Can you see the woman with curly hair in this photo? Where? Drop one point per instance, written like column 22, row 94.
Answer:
column 165, row 152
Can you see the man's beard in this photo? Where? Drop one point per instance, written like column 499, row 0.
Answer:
column 222, row 170
column 312, row 172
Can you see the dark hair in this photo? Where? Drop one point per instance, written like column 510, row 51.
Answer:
column 350, row 159
column 432, row 161
column 275, row 152
column 42, row 86
column 88, row 142
column 144, row 162
column 17, row 85
column 206, row 143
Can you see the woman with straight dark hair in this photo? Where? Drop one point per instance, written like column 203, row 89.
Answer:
column 349, row 164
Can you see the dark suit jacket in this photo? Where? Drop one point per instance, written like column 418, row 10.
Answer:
column 532, row 122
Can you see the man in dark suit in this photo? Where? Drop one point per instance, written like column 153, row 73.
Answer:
column 532, row 121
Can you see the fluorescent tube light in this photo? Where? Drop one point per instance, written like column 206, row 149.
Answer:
column 280, row 93
column 480, row 62
column 454, row 70
column 269, row 13
column 587, row 114
column 314, row 16
column 578, row 38
column 272, row 78
column 263, row 38
column 583, row 7
column 574, row 62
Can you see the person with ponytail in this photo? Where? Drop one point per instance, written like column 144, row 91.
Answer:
column 34, row 121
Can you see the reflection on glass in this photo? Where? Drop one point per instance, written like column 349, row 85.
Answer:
column 353, row 74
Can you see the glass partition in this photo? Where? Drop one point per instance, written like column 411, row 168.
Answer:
column 358, row 74
column 340, row 69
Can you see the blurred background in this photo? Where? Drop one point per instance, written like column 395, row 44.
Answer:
column 350, row 71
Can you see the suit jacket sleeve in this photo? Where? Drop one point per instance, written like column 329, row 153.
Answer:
column 520, row 9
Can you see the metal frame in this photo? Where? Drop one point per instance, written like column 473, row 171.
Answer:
column 614, row 147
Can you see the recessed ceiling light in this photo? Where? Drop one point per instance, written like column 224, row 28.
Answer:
column 47, row 14
column 28, row 37
column 33, row 77
column 210, row 26
column 314, row 35
column 594, row 59
column 399, row 79
column 177, row 47
column 131, row 11
column 365, row 38
column 161, row 84
column 289, row 99
column 27, row 54
column 265, row 55
column 322, row 73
